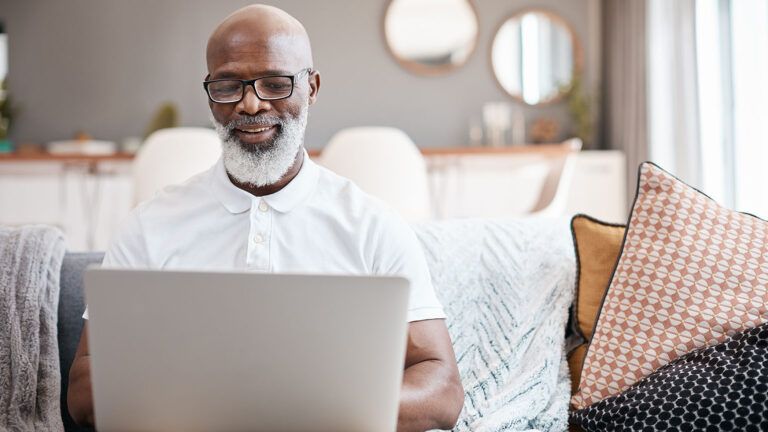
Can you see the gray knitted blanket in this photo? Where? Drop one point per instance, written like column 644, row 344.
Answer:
column 30, row 262
column 506, row 287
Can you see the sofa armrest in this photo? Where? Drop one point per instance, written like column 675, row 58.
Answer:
column 70, row 321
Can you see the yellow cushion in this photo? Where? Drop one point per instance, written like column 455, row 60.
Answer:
column 598, row 245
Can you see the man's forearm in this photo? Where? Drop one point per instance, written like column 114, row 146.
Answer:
column 431, row 397
column 79, row 396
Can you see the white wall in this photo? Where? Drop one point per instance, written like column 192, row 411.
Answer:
column 104, row 66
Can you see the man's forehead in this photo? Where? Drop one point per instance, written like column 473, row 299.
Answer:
column 273, row 52
column 259, row 34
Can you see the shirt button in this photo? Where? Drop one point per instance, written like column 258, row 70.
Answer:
column 258, row 238
column 263, row 206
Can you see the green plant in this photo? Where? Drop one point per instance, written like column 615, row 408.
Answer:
column 6, row 110
column 580, row 106
column 166, row 116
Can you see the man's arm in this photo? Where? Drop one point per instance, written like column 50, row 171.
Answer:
column 79, row 397
column 432, row 395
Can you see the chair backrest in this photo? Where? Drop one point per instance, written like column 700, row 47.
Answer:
column 554, row 194
column 385, row 163
column 171, row 156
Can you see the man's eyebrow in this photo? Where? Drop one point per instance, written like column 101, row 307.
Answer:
column 221, row 75
column 230, row 74
column 275, row 72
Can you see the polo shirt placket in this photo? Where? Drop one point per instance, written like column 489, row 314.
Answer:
column 258, row 257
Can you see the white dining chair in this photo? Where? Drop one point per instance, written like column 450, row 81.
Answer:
column 553, row 198
column 171, row 156
column 385, row 163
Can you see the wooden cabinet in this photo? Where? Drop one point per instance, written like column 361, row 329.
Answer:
column 88, row 196
column 84, row 197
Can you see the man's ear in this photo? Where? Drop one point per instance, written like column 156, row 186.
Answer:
column 314, row 86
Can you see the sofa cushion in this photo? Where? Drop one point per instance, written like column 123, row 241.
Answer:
column 722, row 388
column 70, row 321
column 691, row 273
column 506, row 286
column 597, row 247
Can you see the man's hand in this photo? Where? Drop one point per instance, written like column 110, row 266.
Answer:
column 432, row 395
column 79, row 397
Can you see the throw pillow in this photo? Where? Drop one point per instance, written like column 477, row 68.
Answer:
column 691, row 273
column 720, row 388
column 597, row 247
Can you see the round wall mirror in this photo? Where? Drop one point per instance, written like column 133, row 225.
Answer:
column 431, row 37
column 534, row 56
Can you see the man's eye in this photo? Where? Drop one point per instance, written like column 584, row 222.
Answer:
column 277, row 86
column 227, row 87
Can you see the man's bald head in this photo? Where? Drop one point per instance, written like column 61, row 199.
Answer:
column 259, row 29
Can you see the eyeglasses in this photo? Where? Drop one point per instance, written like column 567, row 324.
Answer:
column 269, row 88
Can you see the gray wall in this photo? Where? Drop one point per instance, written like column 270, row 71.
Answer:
column 104, row 67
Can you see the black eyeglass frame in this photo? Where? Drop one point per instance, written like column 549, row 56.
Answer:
column 252, row 83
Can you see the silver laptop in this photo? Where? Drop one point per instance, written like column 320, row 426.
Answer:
column 201, row 351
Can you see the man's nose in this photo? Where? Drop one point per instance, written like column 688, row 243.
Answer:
column 251, row 104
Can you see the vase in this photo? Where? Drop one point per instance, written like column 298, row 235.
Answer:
column 6, row 146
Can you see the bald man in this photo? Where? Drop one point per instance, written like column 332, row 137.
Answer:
column 265, row 206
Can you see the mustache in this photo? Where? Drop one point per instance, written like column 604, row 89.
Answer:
column 258, row 121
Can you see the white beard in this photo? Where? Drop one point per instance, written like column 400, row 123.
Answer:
column 265, row 164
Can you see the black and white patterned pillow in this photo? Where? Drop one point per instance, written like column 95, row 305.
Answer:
column 719, row 388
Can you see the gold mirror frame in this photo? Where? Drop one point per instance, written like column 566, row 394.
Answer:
column 419, row 68
column 578, row 55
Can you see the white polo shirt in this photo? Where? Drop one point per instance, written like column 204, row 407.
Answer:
column 318, row 223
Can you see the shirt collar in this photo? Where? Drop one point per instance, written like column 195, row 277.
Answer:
column 236, row 200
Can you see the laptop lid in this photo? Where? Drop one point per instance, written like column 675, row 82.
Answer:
column 200, row 351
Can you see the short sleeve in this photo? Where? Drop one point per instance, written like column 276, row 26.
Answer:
column 128, row 248
column 399, row 253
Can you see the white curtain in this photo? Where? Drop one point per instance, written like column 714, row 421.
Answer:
column 749, row 70
column 624, row 107
column 673, row 93
column 707, row 110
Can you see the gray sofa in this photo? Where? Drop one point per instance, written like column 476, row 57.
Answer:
column 505, row 286
column 70, row 324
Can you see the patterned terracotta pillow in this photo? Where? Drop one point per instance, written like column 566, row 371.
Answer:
column 691, row 273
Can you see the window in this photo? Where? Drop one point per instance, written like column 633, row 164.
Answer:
column 732, row 81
